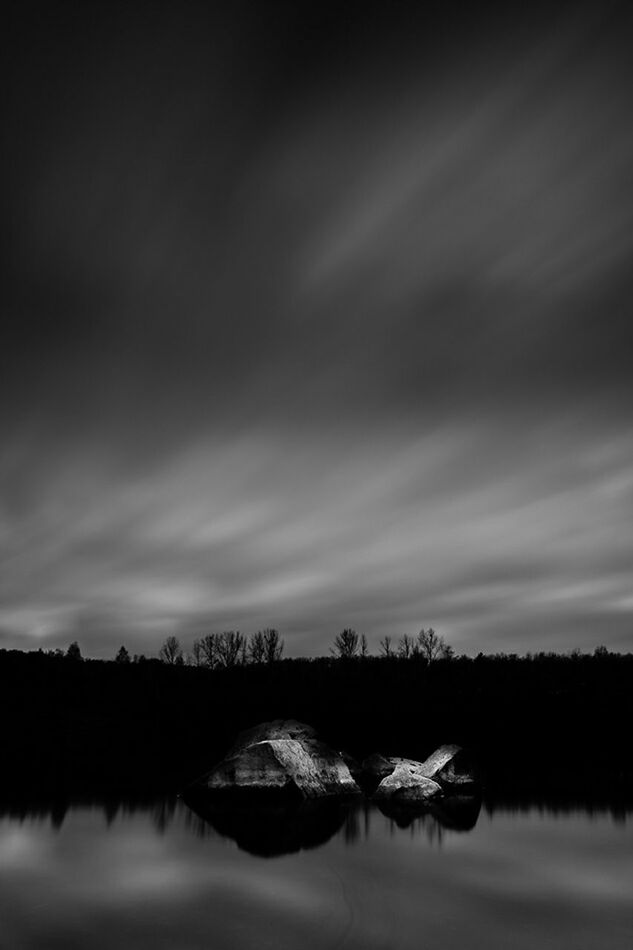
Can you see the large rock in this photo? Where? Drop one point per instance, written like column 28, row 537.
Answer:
column 281, row 758
column 276, row 729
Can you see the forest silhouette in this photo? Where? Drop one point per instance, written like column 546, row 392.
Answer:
column 539, row 722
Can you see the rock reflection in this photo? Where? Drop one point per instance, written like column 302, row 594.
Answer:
column 273, row 830
column 270, row 830
column 456, row 813
column 285, row 829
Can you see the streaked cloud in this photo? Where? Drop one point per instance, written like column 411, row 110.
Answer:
column 318, row 342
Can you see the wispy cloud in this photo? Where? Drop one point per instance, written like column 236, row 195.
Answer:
column 308, row 343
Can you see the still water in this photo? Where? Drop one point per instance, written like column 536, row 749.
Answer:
column 160, row 876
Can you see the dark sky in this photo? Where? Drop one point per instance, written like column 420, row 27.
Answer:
column 317, row 315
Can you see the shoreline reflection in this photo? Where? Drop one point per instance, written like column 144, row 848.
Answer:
column 273, row 831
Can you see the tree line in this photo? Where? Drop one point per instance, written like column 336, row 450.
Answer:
column 226, row 649
column 231, row 648
column 427, row 645
column 214, row 651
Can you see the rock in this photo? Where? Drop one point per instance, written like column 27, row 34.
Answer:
column 277, row 729
column 408, row 784
column 450, row 766
column 378, row 766
column 374, row 769
column 355, row 768
column 409, row 781
column 282, row 758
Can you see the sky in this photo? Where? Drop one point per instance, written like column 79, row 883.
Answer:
column 317, row 316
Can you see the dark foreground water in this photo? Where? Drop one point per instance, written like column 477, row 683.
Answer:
column 162, row 877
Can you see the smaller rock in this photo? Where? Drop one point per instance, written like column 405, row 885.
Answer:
column 450, row 765
column 408, row 783
column 378, row 766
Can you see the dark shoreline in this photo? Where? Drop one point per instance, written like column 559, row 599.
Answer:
column 547, row 727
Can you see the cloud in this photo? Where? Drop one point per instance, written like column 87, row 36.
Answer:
column 499, row 539
column 320, row 339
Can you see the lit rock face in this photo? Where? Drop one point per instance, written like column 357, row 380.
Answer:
column 450, row 766
column 283, row 757
column 410, row 781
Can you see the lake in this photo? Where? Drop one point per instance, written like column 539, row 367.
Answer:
column 160, row 876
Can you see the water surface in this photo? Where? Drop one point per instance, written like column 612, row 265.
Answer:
column 117, row 876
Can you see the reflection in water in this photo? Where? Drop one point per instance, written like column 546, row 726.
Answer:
column 139, row 874
column 269, row 830
column 55, row 810
column 618, row 808
column 457, row 812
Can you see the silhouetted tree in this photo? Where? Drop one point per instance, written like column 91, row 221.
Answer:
column 122, row 656
column 197, row 654
column 273, row 645
column 209, row 650
column 385, row 647
column 433, row 647
column 171, row 652
column 256, row 647
column 228, row 646
column 345, row 644
column 73, row 652
column 406, row 647
column 363, row 645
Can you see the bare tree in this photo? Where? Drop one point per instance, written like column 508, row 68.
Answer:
column 433, row 647
column 229, row 645
column 345, row 644
column 171, row 652
column 364, row 650
column 197, row 654
column 256, row 647
column 273, row 645
column 385, row 646
column 209, row 651
column 406, row 647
